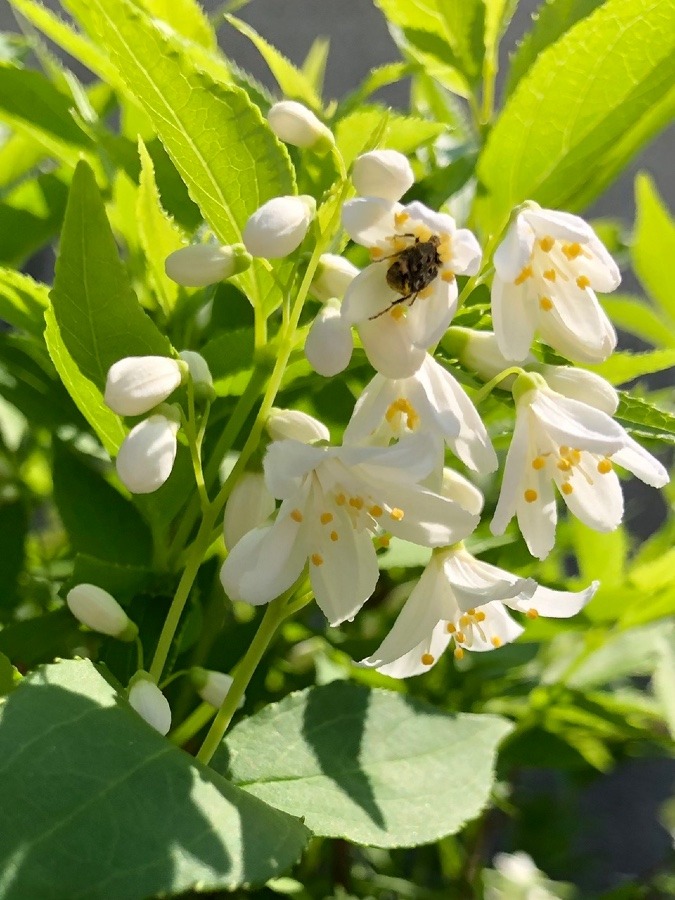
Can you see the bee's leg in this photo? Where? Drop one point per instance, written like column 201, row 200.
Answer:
column 396, row 302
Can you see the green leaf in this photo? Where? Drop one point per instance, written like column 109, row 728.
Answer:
column 121, row 580
column 372, row 766
column 402, row 133
column 229, row 354
column 13, row 530
column 39, row 640
column 23, row 301
column 292, row 81
column 139, row 816
column 663, row 680
column 186, row 17
column 158, row 233
column 624, row 366
column 637, row 317
column 9, row 676
column 624, row 655
column 644, row 419
column 654, row 245
column 99, row 317
column 99, row 521
column 314, row 66
column 551, row 20
column 31, row 215
column 580, row 97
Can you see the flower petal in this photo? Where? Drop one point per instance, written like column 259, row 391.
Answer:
column 577, row 424
column 554, row 604
column 370, row 409
column 598, row 504
column 475, row 582
column 586, row 348
column 579, row 384
column 369, row 295
column 428, row 317
column 288, row 462
column 329, row 344
column 465, row 253
column 512, row 478
column 561, row 225
column 498, row 627
column 369, row 220
column 428, row 519
column 388, row 346
column 514, row 319
column 514, row 252
column 437, row 222
column 537, row 519
column 641, row 463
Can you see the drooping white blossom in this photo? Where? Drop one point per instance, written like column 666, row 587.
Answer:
column 382, row 173
column 98, row 610
column 403, row 302
column 430, row 401
column 150, row 703
column 279, row 226
column 333, row 276
column 329, row 344
column 573, row 445
column 145, row 459
column 334, row 499
column 295, row 425
column 212, row 686
column 547, row 270
column 202, row 264
column 136, row 384
column 248, row 506
column 293, row 123
column 199, row 370
column 461, row 599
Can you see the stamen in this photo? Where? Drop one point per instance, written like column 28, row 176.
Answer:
column 575, row 457
column 423, row 233
column 397, row 312
column 317, row 559
column 376, row 253
column 356, row 502
column 571, row 251
column 427, row 659
column 471, row 612
column 326, row 517
column 538, row 462
column 458, row 653
column 564, row 465
column 530, row 495
column 296, row 515
column 425, row 292
column 460, row 637
column 465, row 620
column 340, row 499
column 334, row 536
column 583, row 282
column 384, row 541
column 532, row 614
column 400, row 218
column 549, row 274
column 450, row 628
column 545, row 304
column 546, row 243
column 524, row 275
column 566, row 487
column 496, row 642
column 396, row 514
column 480, row 616
column 399, row 243
column 448, row 276
column 376, row 511
column 604, row 466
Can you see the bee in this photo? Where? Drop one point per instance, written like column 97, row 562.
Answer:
column 413, row 269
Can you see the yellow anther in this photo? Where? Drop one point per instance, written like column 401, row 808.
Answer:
column 340, row 499
column 427, row 659
column 356, row 502
column 564, row 449
column 423, row 233
column 546, row 243
column 460, row 637
column 376, row 253
column 566, row 487
column 396, row 514
column 545, row 304
column 458, row 653
column 376, row 511
column 530, row 495
column 400, row 243
column 583, row 282
column 326, row 517
column 480, row 616
column 296, row 515
column 317, row 559
column 571, row 251
column 532, row 614
column 564, row 465
column 450, row 628
column 397, row 312
column 426, row 292
column 575, row 457
column 604, row 466
column 538, row 462
column 401, row 218
column 496, row 642
column 549, row 274
column 524, row 275
column 334, row 536
column 448, row 276
column 471, row 612
column 465, row 621
column 384, row 541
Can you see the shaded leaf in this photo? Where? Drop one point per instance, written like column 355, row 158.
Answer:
column 654, row 245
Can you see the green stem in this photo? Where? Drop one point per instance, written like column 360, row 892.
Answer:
column 492, row 384
column 189, row 727
column 193, row 437
column 274, row 616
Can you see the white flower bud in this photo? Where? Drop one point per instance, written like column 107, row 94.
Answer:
column 136, row 384
column 249, row 505
column 479, row 352
column 329, row 344
column 579, row 384
column 147, row 454
column 199, row 369
column 382, row 173
column 203, row 264
column 212, row 686
column 98, row 610
column 150, row 703
column 292, row 424
column 333, row 276
column 457, row 487
column 279, row 226
column 294, row 124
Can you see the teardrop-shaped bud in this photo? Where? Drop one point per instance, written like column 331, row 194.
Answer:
column 147, row 454
column 98, row 610
column 250, row 504
column 382, row 173
column 203, row 264
column 279, row 226
column 333, row 276
column 292, row 424
column 136, row 384
column 329, row 344
column 149, row 702
column 212, row 686
column 294, row 124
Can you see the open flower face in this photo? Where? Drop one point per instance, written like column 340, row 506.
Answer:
column 463, row 600
column 547, row 270
column 429, row 401
column 404, row 301
column 334, row 499
column 563, row 442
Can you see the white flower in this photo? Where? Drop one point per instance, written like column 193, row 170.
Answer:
column 382, row 173
column 460, row 598
column 547, row 270
column 403, row 302
column 333, row 500
column 212, row 686
column 479, row 352
column 429, row 401
column 579, row 384
column 329, row 344
column 562, row 441
column 249, row 505
column 199, row 368
column 98, row 610
column 456, row 487
column 136, row 384
column 201, row 264
column 150, row 703
column 295, row 425
column 294, row 124
column 147, row 454
column 279, row 226
column 333, row 276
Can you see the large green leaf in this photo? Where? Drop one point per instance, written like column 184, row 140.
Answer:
column 624, row 366
column 653, row 249
column 31, row 215
column 104, row 808
column 403, row 133
column 643, row 419
column 98, row 315
column 579, row 99
column 187, row 17
column 632, row 314
column 371, row 766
